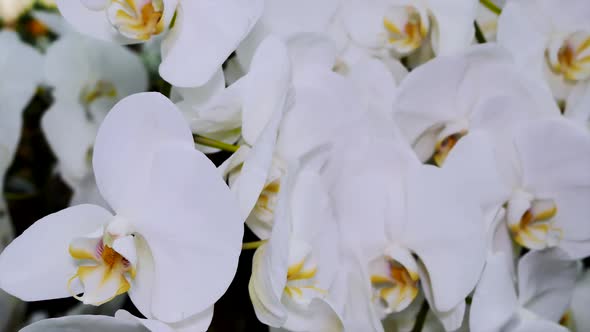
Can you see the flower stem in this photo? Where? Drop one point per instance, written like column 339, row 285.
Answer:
column 491, row 6
column 421, row 318
column 479, row 36
column 215, row 143
column 252, row 245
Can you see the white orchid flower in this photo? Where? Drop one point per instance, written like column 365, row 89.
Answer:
column 407, row 229
column 460, row 93
column 404, row 26
column 194, row 47
column 550, row 41
column 88, row 77
column 293, row 272
column 549, row 185
column 176, row 223
column 536, row 302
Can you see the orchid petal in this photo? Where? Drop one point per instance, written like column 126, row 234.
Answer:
column 37, row 265
column 556, row 167
column 267, row 89
column 454, row 21
column 202, row 28
column 546, row 283
column 126, row 143
column 85, row 323
column 187, row 192
column 448, row 236
column 62, row 121
column 89, row 22
column 197, row 323
column 494, row 301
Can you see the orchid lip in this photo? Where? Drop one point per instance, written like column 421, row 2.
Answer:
column 103, row 271
column 395, row 285
column 570, row 56
column 137, row 19
column 532, row 221
column 406, row 29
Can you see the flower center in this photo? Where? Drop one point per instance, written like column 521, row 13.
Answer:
column 102, row 270
column 444, row 146
column 91, row 92
column 571, row 57
column 531, row 221
column 394, row 285
column 263, row 211
column 406, row 28
column 301, row 284
column 137, row 19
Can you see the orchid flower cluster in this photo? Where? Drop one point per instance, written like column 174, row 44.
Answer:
column 406, row 165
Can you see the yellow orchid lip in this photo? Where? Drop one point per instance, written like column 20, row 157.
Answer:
column 137, row 22
column 102, row 272
column 99, row 89
column 534, row 227
column 444, row 147
column 572, row 59
column 409, row 35
column 300, row 278
column 396, row 289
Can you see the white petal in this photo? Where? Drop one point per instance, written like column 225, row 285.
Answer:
column 311, row 50
column 196, row 323
column 524, row 39
column 454, row 20
column 267, row 87
column 453, row 319
column 142, row 286
column 95, row 4
column 556, row 167
column 70, row 136
column 89, row 22
column 37, row 265
column 494, row 301
column 85, row 323
column 445, row 229
column 125, row 145
column 415, row 113
column 539, row 326
column 271, row 262
column 318, row 316
column 192, row 225
column 472, row 161
column 546, row 282
column 359, row 313
column 263, row 286
column 363, row 21
column 204, row 35
column 580, row 301
column 256, row 166
column 376, row 84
